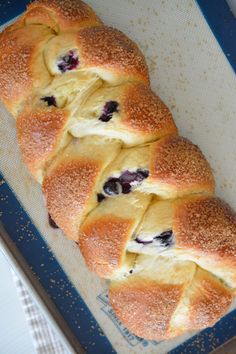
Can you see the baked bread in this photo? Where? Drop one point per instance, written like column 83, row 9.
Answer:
column 107, row 230
column 22, row 66
column 167, row 297
column 117, row 178
column 170, row 167
column 71, row 180
column 197, row 228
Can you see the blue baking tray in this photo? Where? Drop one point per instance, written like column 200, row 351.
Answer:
column 20, row 228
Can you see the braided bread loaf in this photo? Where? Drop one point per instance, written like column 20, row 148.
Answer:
column 117, row 177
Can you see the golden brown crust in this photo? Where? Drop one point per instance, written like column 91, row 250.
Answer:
column 145, row 307
column 208, row 302
column 40, row 132
column 21, row 64
column 157, row 306
column 68, row 188
column 40, row 15
column 206, row 225
column 177, row 162
column 102, row 243
column 145, row 113
column 62, row 15
column 106, row 48
column 14, row 26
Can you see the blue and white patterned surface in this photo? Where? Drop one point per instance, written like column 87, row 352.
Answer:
column 13, row 334
column 66, row 282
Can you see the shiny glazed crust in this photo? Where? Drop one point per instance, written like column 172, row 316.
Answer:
column 81, row 96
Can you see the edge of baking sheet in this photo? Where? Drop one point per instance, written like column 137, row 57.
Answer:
column 16, row 220
column 222, row 23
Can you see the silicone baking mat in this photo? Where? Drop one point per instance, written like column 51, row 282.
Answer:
column 193, row 76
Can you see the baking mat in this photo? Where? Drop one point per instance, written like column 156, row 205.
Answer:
column 190, row 73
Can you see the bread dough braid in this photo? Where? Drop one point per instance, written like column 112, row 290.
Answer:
column 117, row 177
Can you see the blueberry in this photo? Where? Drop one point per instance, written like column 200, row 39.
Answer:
column 100, row 197
column 127, row 177
column 124, row 183
column 52, row 222
column 126, row 188
column 69, row 62
column 142, row 173
column 112, row 186
column 108, row 110
column 50, row 100
column 138, row 176
column 143, row 242
column 165, row 238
